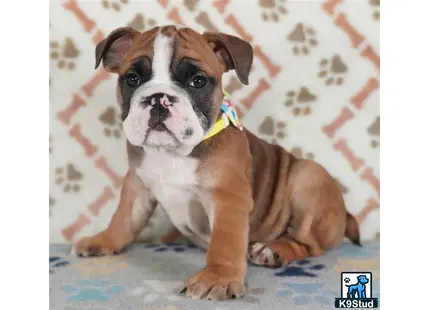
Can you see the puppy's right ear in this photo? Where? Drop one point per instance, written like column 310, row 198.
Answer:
column 113, row 49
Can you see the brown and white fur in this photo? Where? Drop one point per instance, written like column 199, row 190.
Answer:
column 233, row 194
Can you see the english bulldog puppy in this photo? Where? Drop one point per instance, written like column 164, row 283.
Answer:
column 231, row 193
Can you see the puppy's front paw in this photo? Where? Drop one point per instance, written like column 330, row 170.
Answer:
column 212, row 284
column 97, row 245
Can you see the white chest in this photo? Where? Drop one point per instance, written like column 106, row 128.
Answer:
column 161, row 170
column 172, row 180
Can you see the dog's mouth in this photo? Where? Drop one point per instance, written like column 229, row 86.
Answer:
column 160, row 128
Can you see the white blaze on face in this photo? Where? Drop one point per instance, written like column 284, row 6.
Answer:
column 182, row 119
column 162, row 59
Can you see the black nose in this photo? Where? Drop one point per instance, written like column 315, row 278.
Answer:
column 159, row 112
column 160, row 99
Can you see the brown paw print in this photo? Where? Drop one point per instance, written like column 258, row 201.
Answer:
column 112, row 121
column 300, row 102
column 233, row 85
column 375, row 5
column 68, row 177
column 332, row 71
column 115, row 5
column 191, row 5
column 303, row 39
column 373, row 130
column 140, row 24
column 272, row 9
column 272, row 129
column 51, row 205
column 300, row 154
column 64, row 53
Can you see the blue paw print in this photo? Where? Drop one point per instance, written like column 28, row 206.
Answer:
column 305, row 293
column 176, row 247
column 302, row 268
column 56, row 262
column 92, row 290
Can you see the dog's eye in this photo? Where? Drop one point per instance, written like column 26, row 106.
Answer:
column 198, row 81
column 132, row 80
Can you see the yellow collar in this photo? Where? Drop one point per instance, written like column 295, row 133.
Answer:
column 229, row 115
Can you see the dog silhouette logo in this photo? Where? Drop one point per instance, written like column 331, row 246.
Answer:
column 356, row 291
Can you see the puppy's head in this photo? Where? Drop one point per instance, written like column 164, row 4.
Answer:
column 363, row 279
column 170, row 81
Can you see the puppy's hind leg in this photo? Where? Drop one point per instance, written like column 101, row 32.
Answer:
column 277, row 253
column 260, row 254
column 318, row 219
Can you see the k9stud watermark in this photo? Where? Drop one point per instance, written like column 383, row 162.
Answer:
column 356, row 290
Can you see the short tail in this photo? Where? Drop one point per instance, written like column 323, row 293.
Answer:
column 352, row 231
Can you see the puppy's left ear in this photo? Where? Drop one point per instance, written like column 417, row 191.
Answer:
column 235, row 53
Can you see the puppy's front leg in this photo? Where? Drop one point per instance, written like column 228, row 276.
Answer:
column 135, row 208
column 224, row 274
